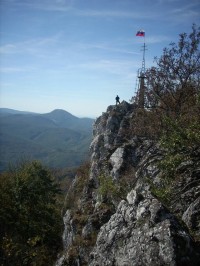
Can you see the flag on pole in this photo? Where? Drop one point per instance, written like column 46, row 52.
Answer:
column 140, row 33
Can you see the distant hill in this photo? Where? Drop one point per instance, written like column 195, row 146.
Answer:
column 58, row 138
column 64, row 119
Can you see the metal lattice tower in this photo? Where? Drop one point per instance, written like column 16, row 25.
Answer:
column 141, row 77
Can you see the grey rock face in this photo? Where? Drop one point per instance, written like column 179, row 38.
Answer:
column 117, row 161
column 191, row 216
column 107, row 145
column 142, row 230
column 68, row 233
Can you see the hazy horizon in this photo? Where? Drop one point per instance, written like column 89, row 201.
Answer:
column 35, row 112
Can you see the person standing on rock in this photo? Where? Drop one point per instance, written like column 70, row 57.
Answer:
column 117, row 100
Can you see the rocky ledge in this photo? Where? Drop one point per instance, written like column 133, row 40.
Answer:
column 124, row 213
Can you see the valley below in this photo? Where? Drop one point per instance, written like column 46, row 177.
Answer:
column 57, row 139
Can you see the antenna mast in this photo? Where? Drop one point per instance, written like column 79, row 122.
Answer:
column 141, row 74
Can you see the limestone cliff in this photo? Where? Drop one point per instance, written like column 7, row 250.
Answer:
column 119, row 211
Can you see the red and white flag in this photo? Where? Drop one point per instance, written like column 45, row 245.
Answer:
column 140, row 33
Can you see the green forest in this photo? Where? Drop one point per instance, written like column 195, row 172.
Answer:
column 30, row 216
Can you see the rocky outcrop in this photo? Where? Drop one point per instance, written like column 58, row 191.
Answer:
column 142, row 232
column 136, row 219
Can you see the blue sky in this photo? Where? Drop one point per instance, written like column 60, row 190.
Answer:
column 77, row 55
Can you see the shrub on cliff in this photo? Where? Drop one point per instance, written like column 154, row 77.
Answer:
column 181, row 145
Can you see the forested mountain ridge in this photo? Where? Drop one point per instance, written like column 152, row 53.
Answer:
column 58, row 138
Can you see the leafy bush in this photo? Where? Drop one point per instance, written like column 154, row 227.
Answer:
column 180, row 144
column 173, row 85
column 108, row 188
column 30, row 216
